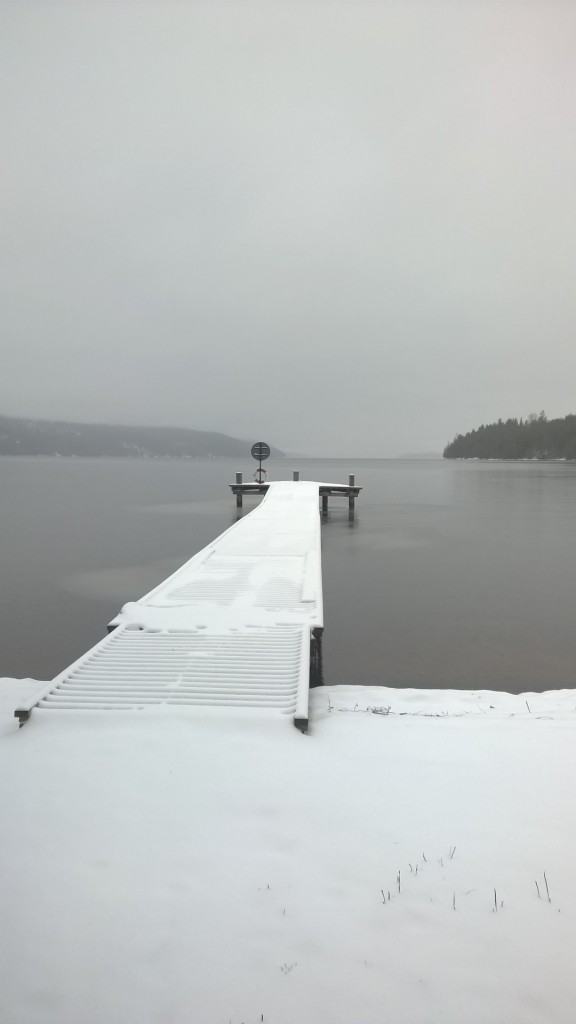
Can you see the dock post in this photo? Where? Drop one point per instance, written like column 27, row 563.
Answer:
column 324, row 504
column 351, row 496
column 239, row 493
column 296, row 474
column 316, row 670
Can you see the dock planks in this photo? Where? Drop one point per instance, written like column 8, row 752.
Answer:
column 232, row 627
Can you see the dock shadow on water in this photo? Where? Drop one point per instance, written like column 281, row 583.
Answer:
column 339, row 518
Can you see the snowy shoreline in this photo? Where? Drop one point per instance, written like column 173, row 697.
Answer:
column 218, row 867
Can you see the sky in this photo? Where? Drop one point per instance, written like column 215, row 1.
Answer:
column 344, row 227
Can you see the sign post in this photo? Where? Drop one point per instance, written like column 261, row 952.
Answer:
column 260, row 451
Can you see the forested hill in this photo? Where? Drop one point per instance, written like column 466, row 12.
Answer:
column 534, row 438
column 42, row 437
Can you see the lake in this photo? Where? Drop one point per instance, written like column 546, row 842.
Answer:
column 452, row 574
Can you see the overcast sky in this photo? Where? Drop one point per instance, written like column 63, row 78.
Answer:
column 345, row 227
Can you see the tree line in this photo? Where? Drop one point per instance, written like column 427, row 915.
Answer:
column 43, row 437
column 535, row 437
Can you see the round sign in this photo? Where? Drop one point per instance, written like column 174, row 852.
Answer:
column 260, row 450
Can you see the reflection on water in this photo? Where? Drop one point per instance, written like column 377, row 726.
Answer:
column 449, row 575
column 345, row 514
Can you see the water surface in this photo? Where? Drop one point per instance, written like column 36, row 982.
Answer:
column 450, row 575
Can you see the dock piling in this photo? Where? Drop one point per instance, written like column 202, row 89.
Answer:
column 296, row 474
column 239, row 491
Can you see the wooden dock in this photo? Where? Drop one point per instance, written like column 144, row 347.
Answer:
column 325, row 491
column 237, row 626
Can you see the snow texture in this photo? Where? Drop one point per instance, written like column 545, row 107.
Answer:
column 264, row 570
column 409, row 861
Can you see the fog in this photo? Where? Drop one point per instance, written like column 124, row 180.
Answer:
column 347, row 228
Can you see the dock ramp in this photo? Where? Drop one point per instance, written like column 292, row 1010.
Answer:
column 232, row 627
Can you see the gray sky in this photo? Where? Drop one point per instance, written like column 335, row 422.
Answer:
column 345, row 227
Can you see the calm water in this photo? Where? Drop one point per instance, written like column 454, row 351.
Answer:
column 451, row 575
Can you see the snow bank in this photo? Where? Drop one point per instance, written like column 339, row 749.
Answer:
column 174, row 866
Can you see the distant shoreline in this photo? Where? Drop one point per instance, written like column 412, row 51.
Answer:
column 483, row 458
column 64, row 439
column 536, row 439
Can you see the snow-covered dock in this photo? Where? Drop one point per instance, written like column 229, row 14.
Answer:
column 234, row 626
column 326, row 491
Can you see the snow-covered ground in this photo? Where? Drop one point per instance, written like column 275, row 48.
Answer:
column 208, row 866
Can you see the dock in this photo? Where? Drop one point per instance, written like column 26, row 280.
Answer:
column 325, row 491
column 238, row 625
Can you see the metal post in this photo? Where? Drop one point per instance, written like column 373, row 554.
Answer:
column 239, row 493
column 296, row 474
column 351, row 480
